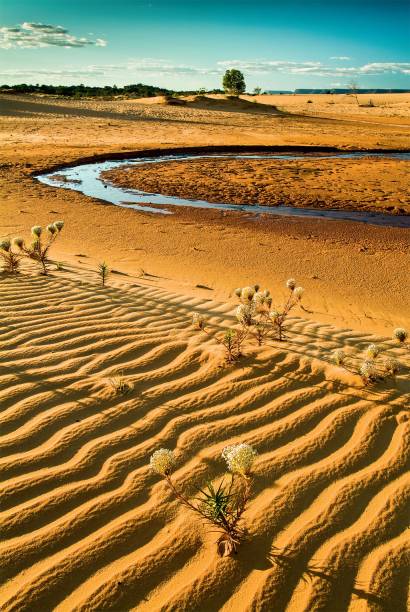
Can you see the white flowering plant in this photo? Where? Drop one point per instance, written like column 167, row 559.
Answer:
column 400, row 334
column 219, row 505
column 371, row 368
column 279, row 316
column 38, row 249
column 255, row 317
column 255, row 310
column 10, row 257
column 231, row 339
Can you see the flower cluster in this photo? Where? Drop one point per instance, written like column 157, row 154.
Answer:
column 400, row 334
column 372, row 351
column 162, row 461
column 239, row 458
column 5, row 245
column 245, row 313
column 368, row 371
column 391, row 366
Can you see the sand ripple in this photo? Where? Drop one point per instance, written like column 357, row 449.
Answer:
column 85, row 524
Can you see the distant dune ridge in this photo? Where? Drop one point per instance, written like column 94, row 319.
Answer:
column 85, row 523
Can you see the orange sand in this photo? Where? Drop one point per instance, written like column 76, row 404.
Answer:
column 85, row 524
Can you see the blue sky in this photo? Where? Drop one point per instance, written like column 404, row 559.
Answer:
column 190, row 43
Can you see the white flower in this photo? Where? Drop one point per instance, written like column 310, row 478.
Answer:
column 298, row 292
column 391, row 366
column 36, row 230
column 58, row 225
column 260, row 300
column 162, row 461
column 244, row 314
column 239, row 458
column 247, row 293
column 339, row 357
column 51, row 228
column 238, row 292
column 198, row 321
column 372, row 351
column 368, row 370
column 400, row 334
column 274, row 315
column 5, row 245
column 291, row 284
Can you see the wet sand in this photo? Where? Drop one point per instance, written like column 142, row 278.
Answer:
column 371, row 184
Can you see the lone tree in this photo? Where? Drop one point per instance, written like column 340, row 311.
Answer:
column 233, row 82
column 354, row 88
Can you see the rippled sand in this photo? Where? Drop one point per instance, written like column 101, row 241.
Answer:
column 85, row 524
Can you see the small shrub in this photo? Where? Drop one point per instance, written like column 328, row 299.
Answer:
column 231, row 339
column 278, row 317
column 10, row 258
column 371, row 369
column 369, row 372
column 103, row 272
column 391, row 366
column 120, row 385
column 400, row 334
column 221, row 506
column 339, row 357
column 39, row 248
column 255, row 318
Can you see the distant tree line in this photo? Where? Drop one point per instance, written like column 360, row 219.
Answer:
column 138, row 90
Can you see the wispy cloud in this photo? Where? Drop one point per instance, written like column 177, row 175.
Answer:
column 148, row 66
column 316, row 68
column 164, row 67
column 136, row 68
column 342, row 58
column 36, row 35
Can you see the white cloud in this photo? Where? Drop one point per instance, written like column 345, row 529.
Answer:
column 163, row 67
column 137, row 68
column 36, row 35
column 316, row 68
column 148, row 66
column 342, row 58
column 386, row 67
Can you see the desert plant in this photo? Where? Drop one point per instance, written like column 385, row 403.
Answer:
column 103, row 272
column 221, row 506
column 400, row 334
column 120, row 385
column 40, row 246
column 231, row 339
column 371, row 369
column 10, row 258
column 253, row 311
column 369, row 372
column 391, row 366
column 278, row 317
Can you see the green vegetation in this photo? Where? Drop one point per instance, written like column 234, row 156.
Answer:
column 220, row 506
column 103, row 272
column 138, row 90
column 233, row 82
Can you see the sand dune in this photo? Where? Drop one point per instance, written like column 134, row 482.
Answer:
column 85, row 523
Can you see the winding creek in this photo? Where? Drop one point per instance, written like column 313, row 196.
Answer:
column 86, row 178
